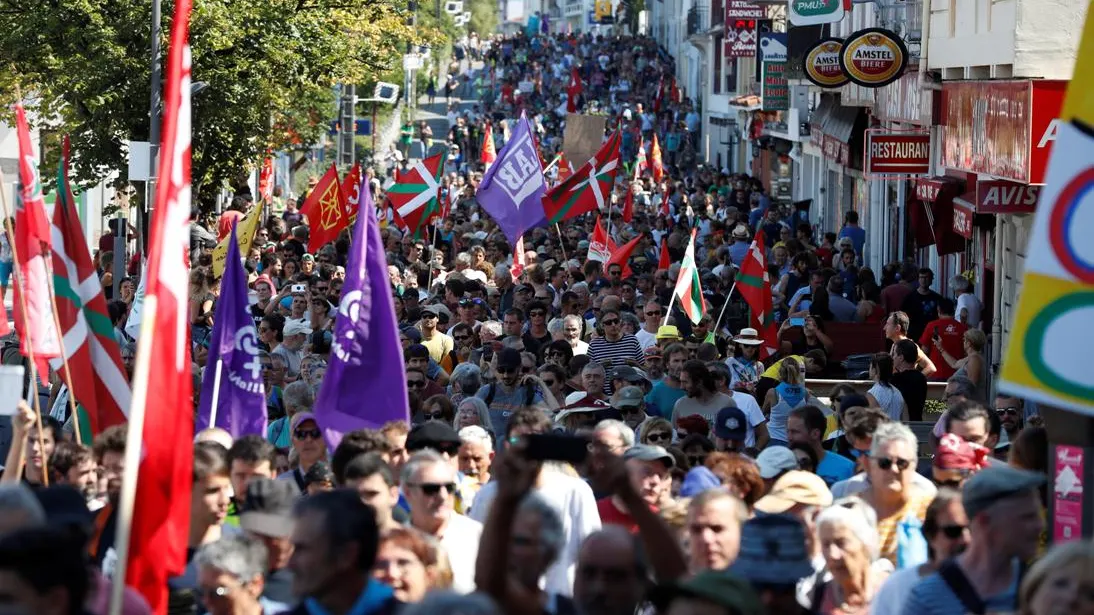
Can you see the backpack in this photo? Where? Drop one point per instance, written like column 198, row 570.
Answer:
column 959, row 584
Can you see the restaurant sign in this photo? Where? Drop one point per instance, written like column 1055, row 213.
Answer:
column 1003, row 197
column 897, row 154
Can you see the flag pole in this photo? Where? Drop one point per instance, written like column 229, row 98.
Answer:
column 216, row 393
column 561, row 242
column 18, row 273
column 67, row 375
column 133, row 437
column 724, row 306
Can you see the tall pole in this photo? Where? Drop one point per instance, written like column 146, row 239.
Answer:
column 153, row 130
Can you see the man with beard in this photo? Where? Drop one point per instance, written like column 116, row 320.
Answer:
column 666, row 392
column 1009, row 409
column 73, row 464
column 703, row 398
column 507, row 395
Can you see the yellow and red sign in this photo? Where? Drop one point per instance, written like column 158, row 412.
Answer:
column 873, row 57
column 821, row 63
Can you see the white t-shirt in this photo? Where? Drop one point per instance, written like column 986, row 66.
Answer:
column 645, row 338
column 574, row 501
column 968, row 301
column 461, row 543
column 752, row 410
column 890, row 599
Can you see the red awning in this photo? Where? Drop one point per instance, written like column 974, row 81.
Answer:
column 933, row 217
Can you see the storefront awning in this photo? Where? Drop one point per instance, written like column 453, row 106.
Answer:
column 821, row 112
column 933, row 221
column 840, row 123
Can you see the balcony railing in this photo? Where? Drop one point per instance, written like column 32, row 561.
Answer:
column 698, row 20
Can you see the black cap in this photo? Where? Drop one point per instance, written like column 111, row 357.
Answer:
column 509, row 358
column 432, row 434
column 267, row 509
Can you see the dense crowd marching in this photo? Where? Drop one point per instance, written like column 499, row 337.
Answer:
column 576, row 443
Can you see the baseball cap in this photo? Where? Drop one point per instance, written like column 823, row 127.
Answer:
column 794, row 487
column 629, row 397
column 652, row 351
column 432, row 434
column 650, row 452
column 295, row 326
column 414, row 335
column 994, row 483
column 263, row 279
column 731, row 424
column 774, row 460
column 267, row 507
column 299, row 418
column 430, row 309
column 628, row 374
column 509, row 358
column 728, row 592
column 773, row 551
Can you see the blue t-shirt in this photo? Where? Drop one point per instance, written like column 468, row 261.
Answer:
column 933, row 595
column 503, row 404
column 858, row 238
column 664, row 398
column 834, row 468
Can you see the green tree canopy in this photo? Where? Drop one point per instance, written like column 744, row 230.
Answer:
column 270, row 66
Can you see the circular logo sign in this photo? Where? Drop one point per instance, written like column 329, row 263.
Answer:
column 821, row 63
column 873, row 57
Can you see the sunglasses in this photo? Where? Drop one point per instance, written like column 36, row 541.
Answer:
column 470, row 302
column 953, row 532
column 658, row 437
column 610, row 322
column 435, row 488
column 654, row 313
column 507, row 370
column 542, row 298
column 307, row 434
column 696, row 460
column 429, row 315
column 433, row 416
column 535, row 313
column 886, row 463
column 415, row 383
column 460, row 338
column 550, row 383
column 1003, row 411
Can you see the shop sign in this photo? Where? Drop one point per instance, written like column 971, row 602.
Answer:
column 1002, row 128
column 836, row 150
column 873, row 57
column 814, row 12
column 1003, row 197
column 904, row 101
column 962, row 220
column 928, row 189
column 774, row 89
column 897, row 153
column 741, row 9
column 1067, row 492
column 821, row 63
column 816, row 135
column 740, row 38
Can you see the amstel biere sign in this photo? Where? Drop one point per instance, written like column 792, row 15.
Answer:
column 821, row 63
column 873, row 57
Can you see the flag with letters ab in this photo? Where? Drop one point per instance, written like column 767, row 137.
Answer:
column 364, row 386
column 237, row 396
column 99, row 380
column 325, row 207
column 589, row 188
column 512, row 188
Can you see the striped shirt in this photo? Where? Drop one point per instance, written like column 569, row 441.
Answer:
column 618, row 352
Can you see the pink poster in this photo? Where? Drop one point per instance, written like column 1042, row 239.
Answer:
column 1067, row 520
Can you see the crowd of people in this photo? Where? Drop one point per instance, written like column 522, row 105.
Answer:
column 576, row 443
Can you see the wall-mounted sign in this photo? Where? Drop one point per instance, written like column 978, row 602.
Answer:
column 813, row 12
column 1003, row 197
column 873, row 57
column 962, row 220
column 897, row 153
column 742, row 9
column 740, row 38
column 821, row 63
column 774, row 89
column 836, row 150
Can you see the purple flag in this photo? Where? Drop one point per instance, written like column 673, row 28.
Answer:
column 512, row 188
column 365, row 385
column 238, row 399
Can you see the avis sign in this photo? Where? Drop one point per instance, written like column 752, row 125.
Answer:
column 1003, row 197
column 897, row 154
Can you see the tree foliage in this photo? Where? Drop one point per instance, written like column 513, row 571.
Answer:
column 484, row 17
column 270, row 66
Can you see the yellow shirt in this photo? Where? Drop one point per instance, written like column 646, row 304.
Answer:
column 438, row 346
column 886, row 528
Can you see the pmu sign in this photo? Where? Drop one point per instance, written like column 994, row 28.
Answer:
column 897, row 154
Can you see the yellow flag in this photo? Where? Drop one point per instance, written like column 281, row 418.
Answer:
column 245, row 234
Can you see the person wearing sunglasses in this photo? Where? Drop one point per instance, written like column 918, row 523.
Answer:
column 946, row 528
column 230, row 577
column 429, row 484
column 891, row 492
column 307, row 441
column 1010, row 411
column 614, row 345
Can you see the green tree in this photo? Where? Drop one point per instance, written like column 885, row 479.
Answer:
column 484, row 17
column 271, row 67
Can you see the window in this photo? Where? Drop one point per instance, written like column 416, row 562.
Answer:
column 718, row 52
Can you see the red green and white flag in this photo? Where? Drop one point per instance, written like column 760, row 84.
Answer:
column 589, row 188
column 415, row 194
column 754, row 284
column 101, row 387
column 688, row 289
column 641, row 163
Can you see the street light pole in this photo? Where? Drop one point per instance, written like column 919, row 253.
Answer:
column 153, row 130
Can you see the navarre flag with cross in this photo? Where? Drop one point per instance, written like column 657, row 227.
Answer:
column 414, row 196
column 325, row 208
column 589, row 188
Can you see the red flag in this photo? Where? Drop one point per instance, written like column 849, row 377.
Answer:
column 415, row 196
column 489, row 153
column 664, row 262
column 564, row 169
column 589, row 188
column 628, row 204
column 641, row 163
column 266, row 180
column 32, row 242
column 519, row 262
column 161, row 436
column 351, row 191
column 573, row 91
column 325, row 208
column 621, row 255
column 755, row 286
column 655, row 160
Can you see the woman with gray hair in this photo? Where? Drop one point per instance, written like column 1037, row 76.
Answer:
column 847, row 535
column 299, row 396
column 231, row 574
column 473, row 411
column 465, row 380
column 893, row 495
